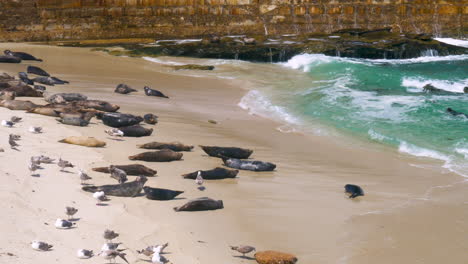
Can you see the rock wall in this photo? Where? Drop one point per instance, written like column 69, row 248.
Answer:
column 34, row 20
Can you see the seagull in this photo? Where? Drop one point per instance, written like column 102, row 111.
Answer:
column 44, row 159
column 32, row 166
column 100, row 196
column 40, row 246
column 35, row 130
column 15, row 119
column 114, row 132
column 110, row 246
column 112, row 254
column 12, row 142
column 158, row 259
column 64, row 164
column 118, row 174
column 199, row 181
column 63, row 224
column 84, row 253
column 243, row 249
column 70, row 211
column 6, row 123
column 109, row 235
column 83, row 176
column 160, row 248
column 150, row 250
column 15, row 137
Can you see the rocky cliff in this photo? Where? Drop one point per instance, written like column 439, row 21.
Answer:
column 34, row 20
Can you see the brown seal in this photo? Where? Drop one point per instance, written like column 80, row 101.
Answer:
column 128, row 189
column 175, row 146
column 84, row 141
column 97, row 105
column 7, row 95
column 18, row 104
column 214, row 174
column 132, row 169
column 23, row 90
column 159, row 156
column 200, row 204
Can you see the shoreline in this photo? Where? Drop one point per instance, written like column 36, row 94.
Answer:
column 271, row 201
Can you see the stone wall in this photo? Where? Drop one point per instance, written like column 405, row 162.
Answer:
column 33, row 20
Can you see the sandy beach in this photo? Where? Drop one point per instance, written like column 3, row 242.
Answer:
column 413, row 211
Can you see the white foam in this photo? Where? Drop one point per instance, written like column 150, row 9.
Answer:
column 307, row 61
column 163, row 62
column 455, row 42
column 256, row 103
column 419, row 83
column 377, row 136
column 422, row 152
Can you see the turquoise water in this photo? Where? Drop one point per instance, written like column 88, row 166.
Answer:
column 383, row 101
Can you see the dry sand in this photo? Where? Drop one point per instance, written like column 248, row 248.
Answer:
column 411, row 213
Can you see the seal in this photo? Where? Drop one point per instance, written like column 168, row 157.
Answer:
column 84, row 141
column 68, row 97
column 21, row 55
column 24, row 78
column 119, row 120
column 174, row 146
column 73, row 121
column 9, row 59
column 86, row 116
column 136, row 131
column 456, row 113
column 353, row 190
column 23, row 90
column 56, row 109
column 160, row 194
column 230, row 152
column 37, row 71
column 97, row 105
column 252, row 165
column 152, row 92
column 44, row 80
column 7, row 95
column 150, row 119
column 17, row 104
column 39, row 88
column 200, row 204
column 214, row 174
column 124, row 89
column 128, row 189
column 132, row 169
column 164, row 155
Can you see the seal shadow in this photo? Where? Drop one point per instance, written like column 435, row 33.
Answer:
column 74, row 219
column 37, row 175
column 116, row 139
column 244, row 257
column 102, row 204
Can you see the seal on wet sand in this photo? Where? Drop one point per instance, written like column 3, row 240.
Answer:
column 230, row 152
column 354, row 190
column 252, row 165
column 160, row 194
column 214, row 174
column 128, row 189
column 150, row 119
column 200, row 204
column 174, row 146
column 124, row 89
column 152, row 92
column 131, row 169
column 158, row 156
column 21, row 55
column 37, row 71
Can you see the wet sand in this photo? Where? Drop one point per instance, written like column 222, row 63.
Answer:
column 299, row 208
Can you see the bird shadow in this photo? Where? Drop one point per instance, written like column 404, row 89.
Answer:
column 102, row 204
column 74, row 219
column 15, row 149
column 244, row 257
column 37, row 175
column 65, row 171
column 202, row 188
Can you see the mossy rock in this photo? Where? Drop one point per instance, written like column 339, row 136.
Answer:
column 193, row 67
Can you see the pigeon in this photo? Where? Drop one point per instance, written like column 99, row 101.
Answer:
column 41, row 246
column 243, row 249
column 64, row 164
column 118, row 174
column 70, row 211
column 109, row 235
column 112, row 254
column 84, row 253
column 114, row 132
column 6, row 123
column 100, row 197
column 35, row 130
column 63, row 224
column 110, row 246
column 83, row 176
column 15, row 119
column 33, row 167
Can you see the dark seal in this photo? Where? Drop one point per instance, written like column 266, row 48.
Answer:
column 353, row 190
column 128, row 189
column 201, row 204
column 230, row 152
column 160, row 194
column 132, row 169
column 124, row 89
column 152, row 92
column 119, row 120
column 252, row 165
column 175, row 146
column 21, row 55
column 214, row 174
column 37, row 71
column 136, row 131
column 150, row 119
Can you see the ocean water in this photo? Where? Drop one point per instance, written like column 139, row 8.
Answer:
column 378, row 100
